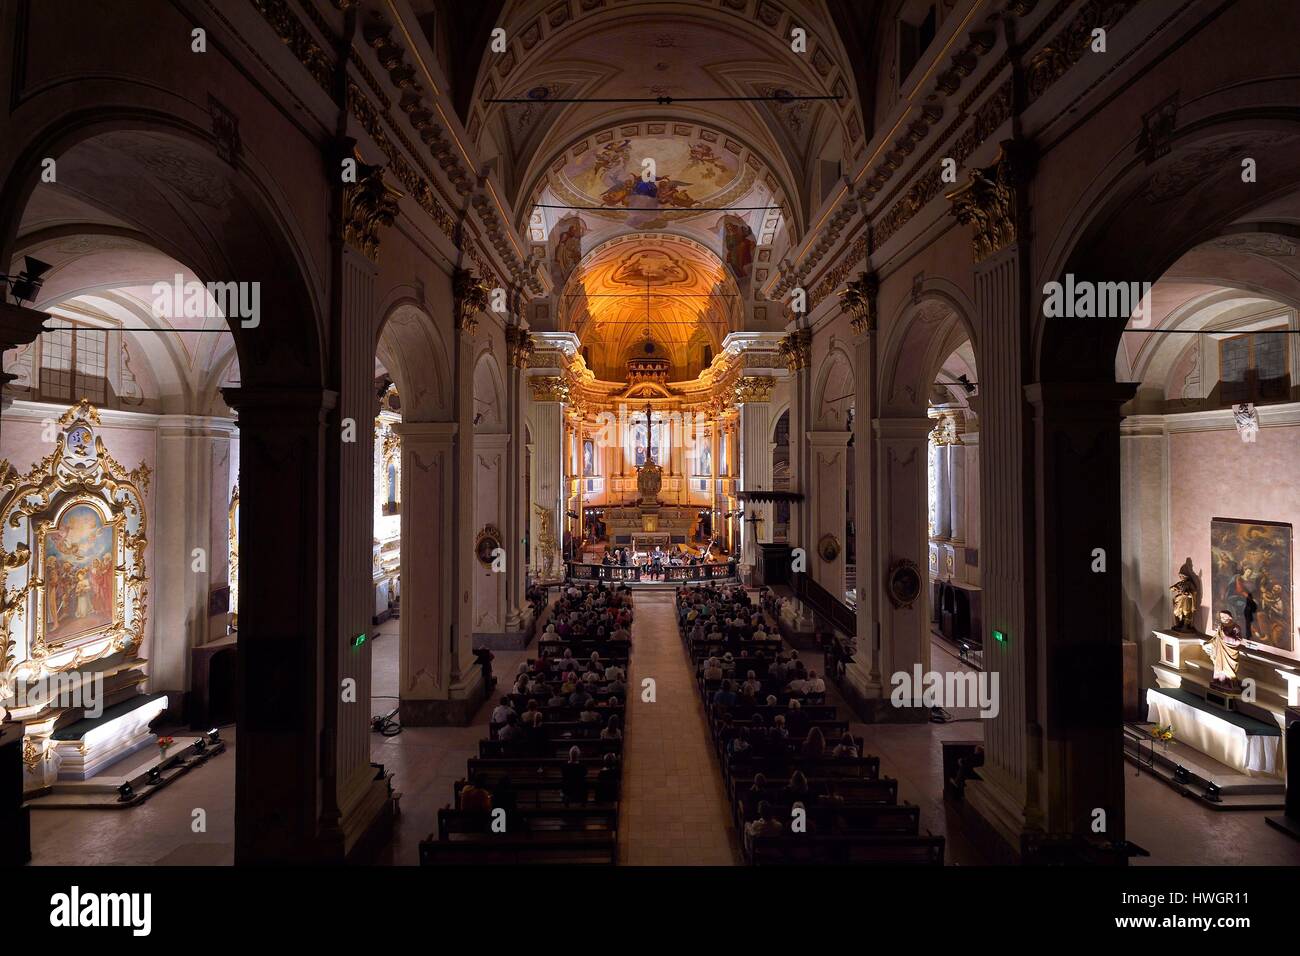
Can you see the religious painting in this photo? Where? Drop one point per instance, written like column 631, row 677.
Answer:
column 639, row 443
column 568, row 248
column 1250, row 578
column 79, row 572
column 739, row 245
column 588, row 457
column 704, row 456
column 486, row 545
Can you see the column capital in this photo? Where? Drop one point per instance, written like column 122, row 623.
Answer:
column 470, row 295
column 549, row 388
column 754, row 388
column 519, row 346
column 796, row 349
column 431, row 432
column 368, row 204
column 858, row 301
column 992, row 200
column 287, row 400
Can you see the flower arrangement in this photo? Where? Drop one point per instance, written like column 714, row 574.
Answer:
column 164, row 743
column 1163, row 734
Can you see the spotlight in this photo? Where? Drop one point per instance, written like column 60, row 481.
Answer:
column 125, row 792
column 155, row 776
column 200, row 745
column 1212, row 792
column 966, row 384
column 30, row 280
column 214, row 736
column 1182, row 775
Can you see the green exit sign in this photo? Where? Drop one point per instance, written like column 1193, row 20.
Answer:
column 361, row 639
column 999, row 637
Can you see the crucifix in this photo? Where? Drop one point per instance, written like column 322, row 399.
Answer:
column 649, row 441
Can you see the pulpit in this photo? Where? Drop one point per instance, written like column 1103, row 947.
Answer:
column 773, row 564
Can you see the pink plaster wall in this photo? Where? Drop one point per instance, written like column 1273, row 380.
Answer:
column 1216, row 474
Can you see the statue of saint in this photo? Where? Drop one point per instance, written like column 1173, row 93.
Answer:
column 1185, row 601
column 1222, row 649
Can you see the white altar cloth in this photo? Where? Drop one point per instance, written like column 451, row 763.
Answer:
column 1215, row 736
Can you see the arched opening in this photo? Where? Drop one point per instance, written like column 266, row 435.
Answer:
column 162, row 307
column 1135, row 406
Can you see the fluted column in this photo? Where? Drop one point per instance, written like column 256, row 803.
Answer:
column 428, row 617
column 519, row 348
column 901, row 444
column 190, row 510
column 859, row 301
column 956, row 455
column 827, row 487
column 547, row 494
column 753, row 396
column 353, row 597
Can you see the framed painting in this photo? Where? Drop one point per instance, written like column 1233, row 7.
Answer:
column 1250, row 578
column 78, row 559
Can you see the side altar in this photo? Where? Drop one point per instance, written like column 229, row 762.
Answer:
column 73, row 600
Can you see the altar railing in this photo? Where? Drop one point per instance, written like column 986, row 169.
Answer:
column 685, row 573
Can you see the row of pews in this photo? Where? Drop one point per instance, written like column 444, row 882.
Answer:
column 545, row 790
column 777, row 758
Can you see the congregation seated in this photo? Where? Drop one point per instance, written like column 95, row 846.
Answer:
column 553, row 756
column 785, row 753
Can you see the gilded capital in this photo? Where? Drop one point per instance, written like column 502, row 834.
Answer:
column 754, row 388
column 519, row 346
column 368, row 204
column 549, row 388
column 945, row 430
column 796, row 349
column 858, row 301
column 990, row 203
column 471, row 297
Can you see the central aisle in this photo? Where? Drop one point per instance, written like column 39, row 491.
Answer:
column 673, row 811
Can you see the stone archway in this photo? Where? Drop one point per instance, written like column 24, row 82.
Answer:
column 288, row 790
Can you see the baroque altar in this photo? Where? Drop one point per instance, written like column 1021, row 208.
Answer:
column 73, row 606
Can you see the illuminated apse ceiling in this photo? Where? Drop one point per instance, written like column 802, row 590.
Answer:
column 672, row 286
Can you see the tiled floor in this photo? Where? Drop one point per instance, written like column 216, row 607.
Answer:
column 675, row 811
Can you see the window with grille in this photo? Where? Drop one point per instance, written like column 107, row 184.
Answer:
column 1253, row 368
column 74, row 363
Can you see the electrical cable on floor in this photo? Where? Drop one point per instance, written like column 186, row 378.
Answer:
column 386, row 725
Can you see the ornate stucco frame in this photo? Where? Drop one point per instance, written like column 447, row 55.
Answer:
column 30, row 504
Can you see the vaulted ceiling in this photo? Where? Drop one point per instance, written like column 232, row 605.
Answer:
column 667, row 55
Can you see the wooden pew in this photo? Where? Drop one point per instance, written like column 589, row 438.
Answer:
column 584, row 847
column 805, row 848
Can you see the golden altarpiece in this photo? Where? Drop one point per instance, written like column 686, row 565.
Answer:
column 75, row 594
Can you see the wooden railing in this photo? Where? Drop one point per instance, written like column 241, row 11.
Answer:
column 828, row 608
column 673, row 574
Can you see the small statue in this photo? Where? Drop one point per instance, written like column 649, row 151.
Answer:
column 1222, row 649
column 1185, row 601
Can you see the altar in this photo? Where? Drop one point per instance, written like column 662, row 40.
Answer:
column 1236, row 740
